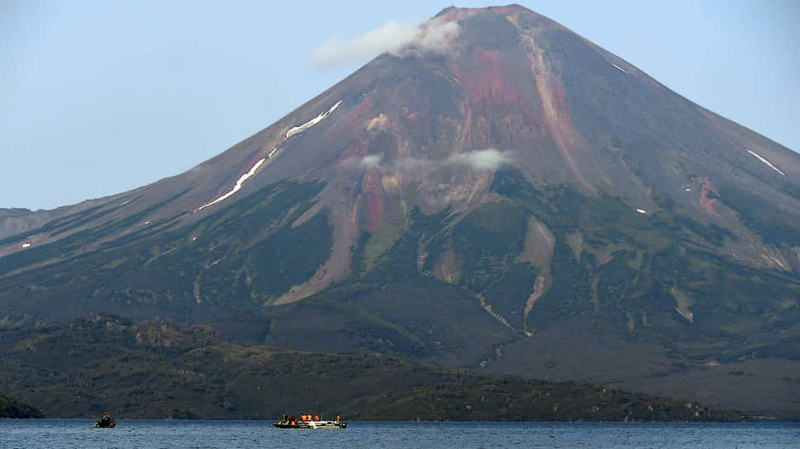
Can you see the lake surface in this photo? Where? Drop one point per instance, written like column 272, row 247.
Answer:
column 142, row 434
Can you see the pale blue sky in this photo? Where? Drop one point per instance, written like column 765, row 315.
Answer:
column 99, row 97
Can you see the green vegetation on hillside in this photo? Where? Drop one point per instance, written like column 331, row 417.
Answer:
column 157, row 369
column 10, row 408
column 651, row 261
column 767, row 220
column 237, row 259
column 446, row 288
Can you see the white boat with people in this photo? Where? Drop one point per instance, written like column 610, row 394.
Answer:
column 309, row 422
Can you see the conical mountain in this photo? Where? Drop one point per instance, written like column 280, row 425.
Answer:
column 500, row 194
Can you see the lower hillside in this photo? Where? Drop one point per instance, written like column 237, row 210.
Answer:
column 10, row 408
column 157, row 369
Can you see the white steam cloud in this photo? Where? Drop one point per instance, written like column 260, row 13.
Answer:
column 371, row 161
column 488, row 159
column 437, row 35
column 433, row 35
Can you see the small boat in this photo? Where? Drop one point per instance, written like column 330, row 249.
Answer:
column 309, row 422
column 106, row 422
column 110, row 424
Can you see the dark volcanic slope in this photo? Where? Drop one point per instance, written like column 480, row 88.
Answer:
column 507, row 196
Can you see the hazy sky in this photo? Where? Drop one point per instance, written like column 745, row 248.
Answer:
column 99, row 97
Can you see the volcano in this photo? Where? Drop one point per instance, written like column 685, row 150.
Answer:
column 499, row 194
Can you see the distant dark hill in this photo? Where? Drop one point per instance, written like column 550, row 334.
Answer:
column 10, row 408
column 501, row 195
column 157, row 369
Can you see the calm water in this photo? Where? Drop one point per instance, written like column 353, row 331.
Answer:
column 35, row 434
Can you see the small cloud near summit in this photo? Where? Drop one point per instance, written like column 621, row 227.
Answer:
column 438, row 34
column 432, row 35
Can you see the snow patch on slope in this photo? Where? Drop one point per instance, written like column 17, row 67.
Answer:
column 619, row 68
column 766, row 162
column 238, row 184
column 298, row 129
column 292, row 132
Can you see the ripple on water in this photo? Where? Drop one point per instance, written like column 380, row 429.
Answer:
column 142, row 434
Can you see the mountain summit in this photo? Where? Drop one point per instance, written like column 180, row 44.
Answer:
column 499, row 194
